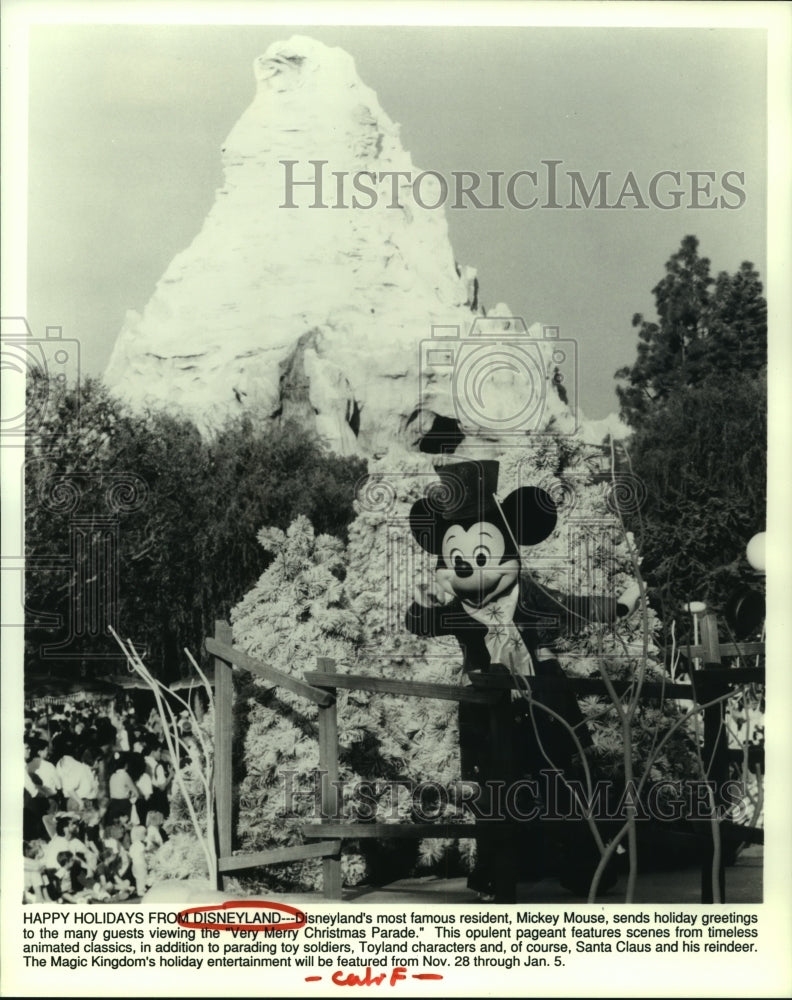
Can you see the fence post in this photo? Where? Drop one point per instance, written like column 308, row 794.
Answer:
column 502, row 837
column 224, row 698
column 328, row 769
column 716, row 760
column 709, row 638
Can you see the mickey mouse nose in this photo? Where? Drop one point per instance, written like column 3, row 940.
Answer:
column 461, row 568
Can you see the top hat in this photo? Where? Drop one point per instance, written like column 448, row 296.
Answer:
column 466, row 490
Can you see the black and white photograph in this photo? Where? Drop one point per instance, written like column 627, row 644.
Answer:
column 395, row 446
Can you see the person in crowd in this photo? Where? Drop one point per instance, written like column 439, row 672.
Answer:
column 96, row 800
column 137, row 856
column 154, row 724
column 116, row 872
column 41, row 765
column 79, row 784
column 35, row 805
column 137, row 772
column 64, row 831
column 155, row 834
column 82, row 848
column 58, row 878
column 34, row 871
column 161, row 779
column 118, row 723
column 73, row 879
column 123, row 792
column 60, row 729
column 80, row 736
column 106, row 735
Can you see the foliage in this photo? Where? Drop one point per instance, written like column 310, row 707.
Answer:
column 180, row 857
column 168, row 518
column 696, row 397
column 703, row 464
column 706, row 328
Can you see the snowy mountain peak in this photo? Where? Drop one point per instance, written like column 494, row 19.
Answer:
column 319, row 282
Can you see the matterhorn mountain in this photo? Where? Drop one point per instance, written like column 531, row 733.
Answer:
column 292, row 303
column 358, row 323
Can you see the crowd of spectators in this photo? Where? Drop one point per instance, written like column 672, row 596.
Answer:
column 97, row 798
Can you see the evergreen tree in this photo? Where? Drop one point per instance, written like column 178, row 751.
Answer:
column 737, row 323
column 696, row 398
column 703, row 464
column 705, row 328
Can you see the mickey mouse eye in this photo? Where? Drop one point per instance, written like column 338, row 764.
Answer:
column 481, row 554
column 455, row 554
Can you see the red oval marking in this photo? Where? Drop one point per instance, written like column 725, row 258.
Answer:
column 239, row 906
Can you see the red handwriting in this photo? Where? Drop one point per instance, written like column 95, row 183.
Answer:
column 398, row 974
column 243, row 915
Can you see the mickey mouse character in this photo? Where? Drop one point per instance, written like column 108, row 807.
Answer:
column 504, row 621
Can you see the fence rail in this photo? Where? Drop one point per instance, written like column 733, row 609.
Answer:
column 494, row 690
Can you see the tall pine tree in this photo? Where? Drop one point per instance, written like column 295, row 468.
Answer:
column 696, row 399
column 705, row 329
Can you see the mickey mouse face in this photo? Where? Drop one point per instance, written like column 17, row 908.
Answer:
column 474, row 563
column 476, row 538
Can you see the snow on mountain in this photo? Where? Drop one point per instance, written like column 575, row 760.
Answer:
column 292, row 303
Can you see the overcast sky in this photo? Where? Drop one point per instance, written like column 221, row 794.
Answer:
column 126, row 125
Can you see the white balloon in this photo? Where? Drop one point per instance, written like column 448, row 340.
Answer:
column 755, row 552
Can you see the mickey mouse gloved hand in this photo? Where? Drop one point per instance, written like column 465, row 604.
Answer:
column 628, row 601
column 431, row 595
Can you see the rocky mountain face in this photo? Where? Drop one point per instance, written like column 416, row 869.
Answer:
column 320, row 288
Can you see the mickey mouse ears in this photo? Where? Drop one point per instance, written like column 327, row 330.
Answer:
column 466, row 494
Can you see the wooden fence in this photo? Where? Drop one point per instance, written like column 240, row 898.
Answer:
column 320, row 687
